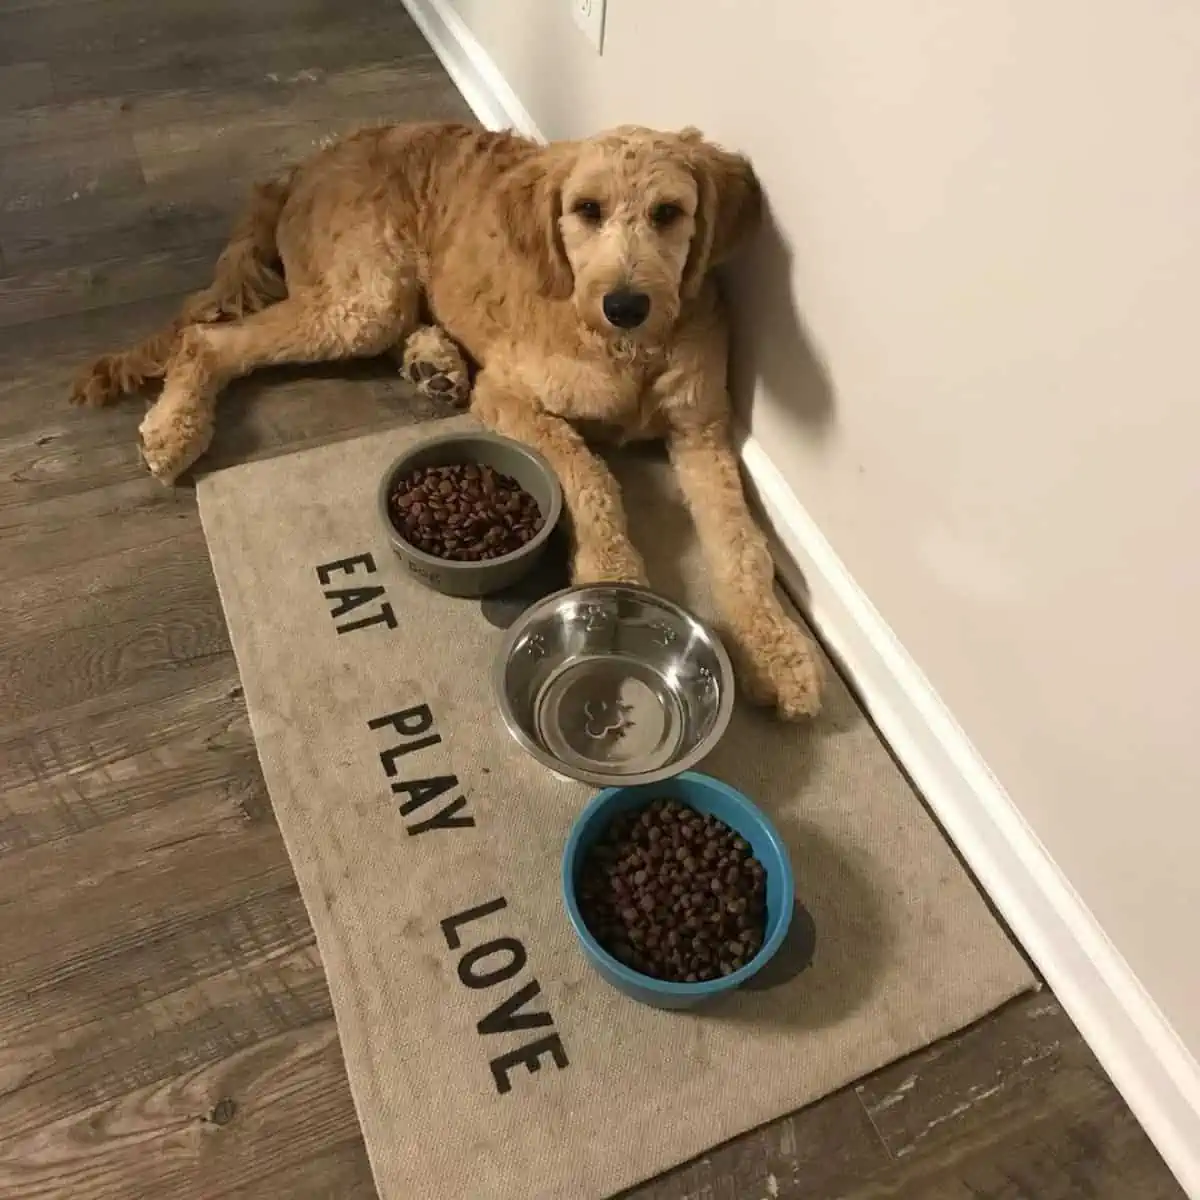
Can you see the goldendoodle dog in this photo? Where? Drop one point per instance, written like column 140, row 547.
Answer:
column 576, row 276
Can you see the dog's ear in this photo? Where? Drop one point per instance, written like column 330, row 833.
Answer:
column 729, row 207
column 530, row 203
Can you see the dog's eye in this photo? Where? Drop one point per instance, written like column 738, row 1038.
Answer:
column 589, row 210
column 662, row 215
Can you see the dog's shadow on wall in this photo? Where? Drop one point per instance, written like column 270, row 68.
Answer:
column 773, row 351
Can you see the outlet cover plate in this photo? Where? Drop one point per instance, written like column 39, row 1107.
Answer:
column 589, row 16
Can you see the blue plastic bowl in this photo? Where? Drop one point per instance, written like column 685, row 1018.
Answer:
column 706, row 795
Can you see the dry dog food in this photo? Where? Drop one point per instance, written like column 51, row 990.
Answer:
column 674, row 894
column 464, row 512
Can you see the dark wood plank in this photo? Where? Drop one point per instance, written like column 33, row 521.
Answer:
column 112, row 32
column 120, row 227
column 184, row 999
column 25, row 84
column 131, row 750
column 68, row 169
column 52, row 120
column 290, row 121
column 50, row 671
column 926, row 1097
column 260, row 60
column 34, row 295
column 1058, row 1135
column 234, row 1124
column 813, row 1154
column 151, row 867
column 100, row 589
column 121, row 515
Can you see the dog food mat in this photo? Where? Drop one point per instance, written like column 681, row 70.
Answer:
column 486, row 1059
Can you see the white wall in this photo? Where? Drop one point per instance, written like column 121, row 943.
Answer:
column 989, row 233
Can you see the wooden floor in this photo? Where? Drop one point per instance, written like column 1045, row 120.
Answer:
column 165, row 1028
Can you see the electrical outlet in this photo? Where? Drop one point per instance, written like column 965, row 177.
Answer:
column 589, row 16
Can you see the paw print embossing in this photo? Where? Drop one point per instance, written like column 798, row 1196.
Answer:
column 604, row 718
column 535, row 646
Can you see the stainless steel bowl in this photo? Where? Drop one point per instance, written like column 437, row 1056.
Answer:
column 611, row 684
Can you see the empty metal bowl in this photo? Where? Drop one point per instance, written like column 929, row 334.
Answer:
column 612, row 684
column 526, row 466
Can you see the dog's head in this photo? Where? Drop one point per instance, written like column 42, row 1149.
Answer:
column 628, row 223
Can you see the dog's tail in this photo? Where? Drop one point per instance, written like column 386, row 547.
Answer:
column 247, row 278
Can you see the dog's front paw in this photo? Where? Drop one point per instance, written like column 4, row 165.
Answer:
column 608, row 562
column 436, row 367
column 779, row 666
column 447, row 384
column 171, row 438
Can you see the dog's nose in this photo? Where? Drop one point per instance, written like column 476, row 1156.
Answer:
column 626, row 309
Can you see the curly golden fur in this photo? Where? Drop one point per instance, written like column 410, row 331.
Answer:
column 576, row 275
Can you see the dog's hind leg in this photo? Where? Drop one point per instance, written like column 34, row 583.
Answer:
column 316, row 325
column 246, row 279
column 432, row 361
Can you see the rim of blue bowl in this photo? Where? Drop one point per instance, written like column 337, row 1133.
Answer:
column 666, row 987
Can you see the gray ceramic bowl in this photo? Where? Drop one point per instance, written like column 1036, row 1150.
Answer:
column 611, row 684
column 526, row 466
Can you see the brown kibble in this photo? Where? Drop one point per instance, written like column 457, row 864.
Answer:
column 463, row 512
column 675, row 887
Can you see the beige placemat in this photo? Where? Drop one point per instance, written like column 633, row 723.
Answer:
column 427, row 849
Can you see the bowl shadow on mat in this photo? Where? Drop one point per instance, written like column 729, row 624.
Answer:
column 836, row 949
column 550, row 574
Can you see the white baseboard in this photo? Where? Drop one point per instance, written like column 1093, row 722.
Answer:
column 1151, row 1067
column 471, row 67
